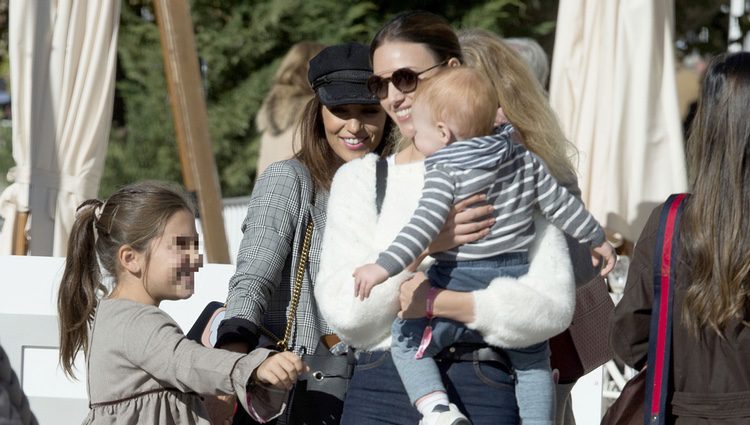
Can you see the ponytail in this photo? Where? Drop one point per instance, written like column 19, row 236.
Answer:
column 134, row 215
column 80, row 286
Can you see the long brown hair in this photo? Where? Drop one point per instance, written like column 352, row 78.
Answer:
column 315, row 152
column 716, row 229
column 134, row 215
column 523, row 101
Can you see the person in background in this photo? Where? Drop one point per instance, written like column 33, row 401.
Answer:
column 510, row 312
column 534, row 55
column 282, row 107
column 525, row 106
column 14, row 405
column 140, row 366
column 710, row 372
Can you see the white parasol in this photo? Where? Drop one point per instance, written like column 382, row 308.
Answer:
column 613, row 87
column 62, row 56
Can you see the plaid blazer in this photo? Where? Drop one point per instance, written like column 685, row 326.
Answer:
column 283, row 201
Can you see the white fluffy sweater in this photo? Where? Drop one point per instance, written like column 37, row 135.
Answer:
column 510, row 313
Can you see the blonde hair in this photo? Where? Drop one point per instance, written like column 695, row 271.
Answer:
column 461, row 97
column 290, row 91
column 523, row 102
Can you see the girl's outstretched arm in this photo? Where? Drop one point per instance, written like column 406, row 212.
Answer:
column 153, row 342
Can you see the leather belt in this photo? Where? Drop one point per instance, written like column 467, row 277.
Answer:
column 467, row 353
column 478, row 353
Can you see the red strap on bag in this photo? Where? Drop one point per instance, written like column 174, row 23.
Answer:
column 660, row 335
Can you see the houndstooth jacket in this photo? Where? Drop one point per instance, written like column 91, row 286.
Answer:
column 283, row 201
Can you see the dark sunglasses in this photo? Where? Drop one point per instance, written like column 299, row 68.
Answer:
column 404, row 79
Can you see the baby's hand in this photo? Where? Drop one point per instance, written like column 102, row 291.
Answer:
column 366, row 277
column 281, row 370
column 607, row 252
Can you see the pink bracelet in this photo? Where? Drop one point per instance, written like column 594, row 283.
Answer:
column 430, row 302
column 427, row 334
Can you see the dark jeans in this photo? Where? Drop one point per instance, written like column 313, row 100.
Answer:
column 484, row 391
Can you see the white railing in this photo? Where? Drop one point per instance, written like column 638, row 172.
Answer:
column 29, row 335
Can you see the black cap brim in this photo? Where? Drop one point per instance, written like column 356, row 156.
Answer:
column 345, row 93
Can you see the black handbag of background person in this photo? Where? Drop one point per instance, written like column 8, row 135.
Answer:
column 318, row 396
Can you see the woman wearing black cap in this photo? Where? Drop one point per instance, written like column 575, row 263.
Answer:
column 342, row 122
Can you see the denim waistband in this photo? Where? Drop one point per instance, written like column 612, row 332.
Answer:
column 455, row 353
column 501, row 260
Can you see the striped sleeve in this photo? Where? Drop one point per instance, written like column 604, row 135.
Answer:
column 426, row 222
column 563, row 209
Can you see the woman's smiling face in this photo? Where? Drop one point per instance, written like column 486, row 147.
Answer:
column 353, row 130
column 389, row 57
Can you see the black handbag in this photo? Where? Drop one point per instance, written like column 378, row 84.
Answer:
column 318, row 396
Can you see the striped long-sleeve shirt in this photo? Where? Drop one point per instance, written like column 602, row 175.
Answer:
column 516, row 182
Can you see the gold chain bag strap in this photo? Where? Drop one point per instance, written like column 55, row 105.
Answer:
column 318, row 396
column 283, row 344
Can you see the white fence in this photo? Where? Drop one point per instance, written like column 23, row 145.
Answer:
column 29, row 335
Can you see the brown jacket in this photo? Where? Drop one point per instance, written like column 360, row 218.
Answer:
column 710, row 375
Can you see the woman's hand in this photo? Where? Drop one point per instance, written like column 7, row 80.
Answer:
column 413, row 297
column 468, row 221
column 281, row 370
column 458, row 306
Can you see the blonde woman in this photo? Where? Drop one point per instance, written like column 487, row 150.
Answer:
column 522, row 101
column 524, row 105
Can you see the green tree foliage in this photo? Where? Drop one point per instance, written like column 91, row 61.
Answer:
column 702, row 26
column 240, row 44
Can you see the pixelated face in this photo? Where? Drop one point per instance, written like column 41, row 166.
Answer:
column 174, row 259
column 353, row 130
column 427, row 135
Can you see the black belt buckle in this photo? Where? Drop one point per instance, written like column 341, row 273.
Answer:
column 475, row 352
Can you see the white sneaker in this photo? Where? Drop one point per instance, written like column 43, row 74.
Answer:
column 441, row 416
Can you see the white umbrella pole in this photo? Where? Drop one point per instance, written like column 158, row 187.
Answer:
column 736, row 10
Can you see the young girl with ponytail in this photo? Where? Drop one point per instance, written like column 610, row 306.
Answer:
column 140, row 366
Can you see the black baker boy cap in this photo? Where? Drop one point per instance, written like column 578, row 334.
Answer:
column 339, row 74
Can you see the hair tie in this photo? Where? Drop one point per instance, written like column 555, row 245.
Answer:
column 98, row 211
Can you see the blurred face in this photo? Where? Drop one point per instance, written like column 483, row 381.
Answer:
column 428, row 137
column 394, row 55
column 174, row 259
column 353, row 130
